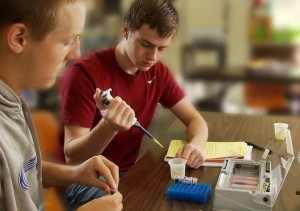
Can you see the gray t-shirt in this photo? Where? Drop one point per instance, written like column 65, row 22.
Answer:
column 20, row 158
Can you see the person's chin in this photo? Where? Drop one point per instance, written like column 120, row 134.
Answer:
column 48, row 84
column 144, row 68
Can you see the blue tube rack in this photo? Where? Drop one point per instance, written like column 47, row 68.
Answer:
column 189, row 192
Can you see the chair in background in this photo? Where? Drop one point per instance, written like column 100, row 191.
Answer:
column 47, row 129
column 269, row 61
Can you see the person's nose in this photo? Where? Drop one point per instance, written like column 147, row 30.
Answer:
column 74, row 52
column 153, row 54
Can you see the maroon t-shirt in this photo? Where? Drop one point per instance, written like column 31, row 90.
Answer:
column 101, row 70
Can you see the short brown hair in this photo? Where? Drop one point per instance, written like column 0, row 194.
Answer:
column 158, row 14
column 40, row 16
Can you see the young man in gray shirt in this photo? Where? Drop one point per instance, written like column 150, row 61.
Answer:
column 37, row 39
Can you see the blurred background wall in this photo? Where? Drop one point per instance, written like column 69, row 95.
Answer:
column 229, row 55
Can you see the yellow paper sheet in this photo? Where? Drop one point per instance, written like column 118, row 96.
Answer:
column 225, row 149
column 213, row 149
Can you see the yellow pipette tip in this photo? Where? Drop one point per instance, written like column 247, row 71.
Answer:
column 155, row 140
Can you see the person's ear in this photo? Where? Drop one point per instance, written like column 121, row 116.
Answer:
column 16, row 37
column 125, row 32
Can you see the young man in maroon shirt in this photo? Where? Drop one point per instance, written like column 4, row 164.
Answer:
column 139, row 81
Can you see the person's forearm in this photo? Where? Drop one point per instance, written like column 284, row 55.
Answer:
column 197, row 132
column 57, row 175
column 93, row 143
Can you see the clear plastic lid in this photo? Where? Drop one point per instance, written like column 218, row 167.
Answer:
column 279, row 155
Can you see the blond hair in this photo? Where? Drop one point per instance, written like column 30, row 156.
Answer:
column 40, row 16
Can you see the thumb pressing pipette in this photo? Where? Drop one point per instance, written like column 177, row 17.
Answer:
column 106, row 98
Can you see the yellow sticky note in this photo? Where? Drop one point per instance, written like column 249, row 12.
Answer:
column 174, row 146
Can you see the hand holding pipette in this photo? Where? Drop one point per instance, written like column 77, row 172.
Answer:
column 118, row 116
column 106, row 99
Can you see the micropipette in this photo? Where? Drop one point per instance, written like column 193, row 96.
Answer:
column 106, row 98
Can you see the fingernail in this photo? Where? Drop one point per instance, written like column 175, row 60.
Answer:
column 112, row 191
